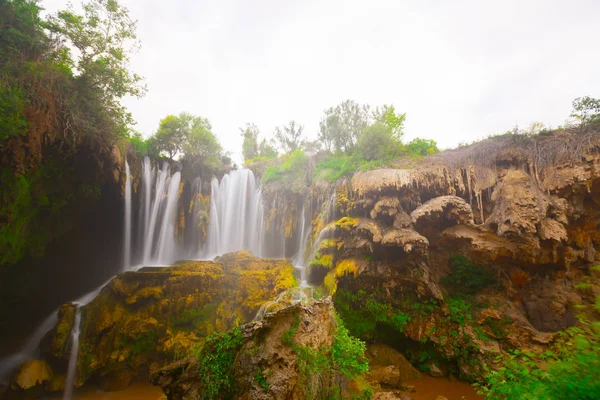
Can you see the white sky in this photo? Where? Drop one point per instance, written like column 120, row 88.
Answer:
column 461, row 69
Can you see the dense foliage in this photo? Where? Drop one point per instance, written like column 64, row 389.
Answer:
column 293, row 166
column 346, row 355
column 569, row 370
column 216, row 356
column 61, row 83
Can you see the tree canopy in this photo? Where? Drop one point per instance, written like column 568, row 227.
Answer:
column 189, row 136
column 289, row 137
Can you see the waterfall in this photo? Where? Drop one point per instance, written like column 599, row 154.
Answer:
column 195, row 210
column 72, row 368
column 158, row 215
column 29, row 350
column 300, row 261
column 236, row 215
column 127, row 230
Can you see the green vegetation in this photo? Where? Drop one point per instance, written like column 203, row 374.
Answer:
column 293, row 167
column 289, row 137
column 145, row 342
column 346, row 355
column 355, row 137
column 586, row 110
column 569, row 370
column 362, row 312
column 190, row 136
column 467, row 278
column 260, row 379
column 67, row 74
column 216, row 356
column 348, row 352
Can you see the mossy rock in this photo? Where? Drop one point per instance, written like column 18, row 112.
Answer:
column 161, row 314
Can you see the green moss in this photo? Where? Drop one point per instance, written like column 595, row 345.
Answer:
column 346, row 354
column 146, row 342
column 466, row 277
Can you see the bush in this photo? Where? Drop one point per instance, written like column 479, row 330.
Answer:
column 293, row 167
column 571, row 371
column 376, row 143
column 216, row 356
column 348, row 352
column 466, row 277
column 421, row 147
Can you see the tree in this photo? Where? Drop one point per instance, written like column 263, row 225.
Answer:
column 342, row 125
column 104, row 38
column 200, row 141
column 250, row 144
column 586, row 110
column 188, row 135
column 387, row 116
column 289, row 136
column 171, row 135
column 266, row 149
column 377, row 142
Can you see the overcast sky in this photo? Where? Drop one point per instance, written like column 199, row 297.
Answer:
column 460, row 69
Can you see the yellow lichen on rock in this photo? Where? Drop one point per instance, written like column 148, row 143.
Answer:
column 31, row 374
column 155, row 314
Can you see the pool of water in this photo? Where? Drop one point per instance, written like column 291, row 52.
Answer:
column 428, row 388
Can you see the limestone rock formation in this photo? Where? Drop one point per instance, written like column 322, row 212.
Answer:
column 162, row 313
column 278, row 358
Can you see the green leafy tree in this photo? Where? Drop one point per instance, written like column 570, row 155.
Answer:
column 395, row 122
column 104, row 37
column 171, row 134
column 289, row 137
column 266, row 149
column 343, row 124
column 201, row 145
column 586, row 110
column 377, row 142
column 250, row 144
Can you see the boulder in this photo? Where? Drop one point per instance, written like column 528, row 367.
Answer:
column 31, row 374
column 155, row 314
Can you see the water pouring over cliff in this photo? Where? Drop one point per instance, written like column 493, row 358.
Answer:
column 236, row 215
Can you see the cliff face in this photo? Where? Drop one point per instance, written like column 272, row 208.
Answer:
column 471, row 253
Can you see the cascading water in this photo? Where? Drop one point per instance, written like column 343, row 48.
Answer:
column 236, row 215
column 29, row 351
column 300, row 261
column 236, row 223
column 127, row 229
column 72, row 367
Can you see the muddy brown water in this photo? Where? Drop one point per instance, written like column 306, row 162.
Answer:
column 427, row 388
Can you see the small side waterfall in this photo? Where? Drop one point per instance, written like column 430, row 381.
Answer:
column 127, row 229
column 236, row 215
column 300, row 261
column 29, row 351
column 72, row 368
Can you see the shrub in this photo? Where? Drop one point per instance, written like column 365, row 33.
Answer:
column 216, row 356
column 422, row 147
column 573, row 375
column 293, row 167
column 376, row 142
column 348, row 353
